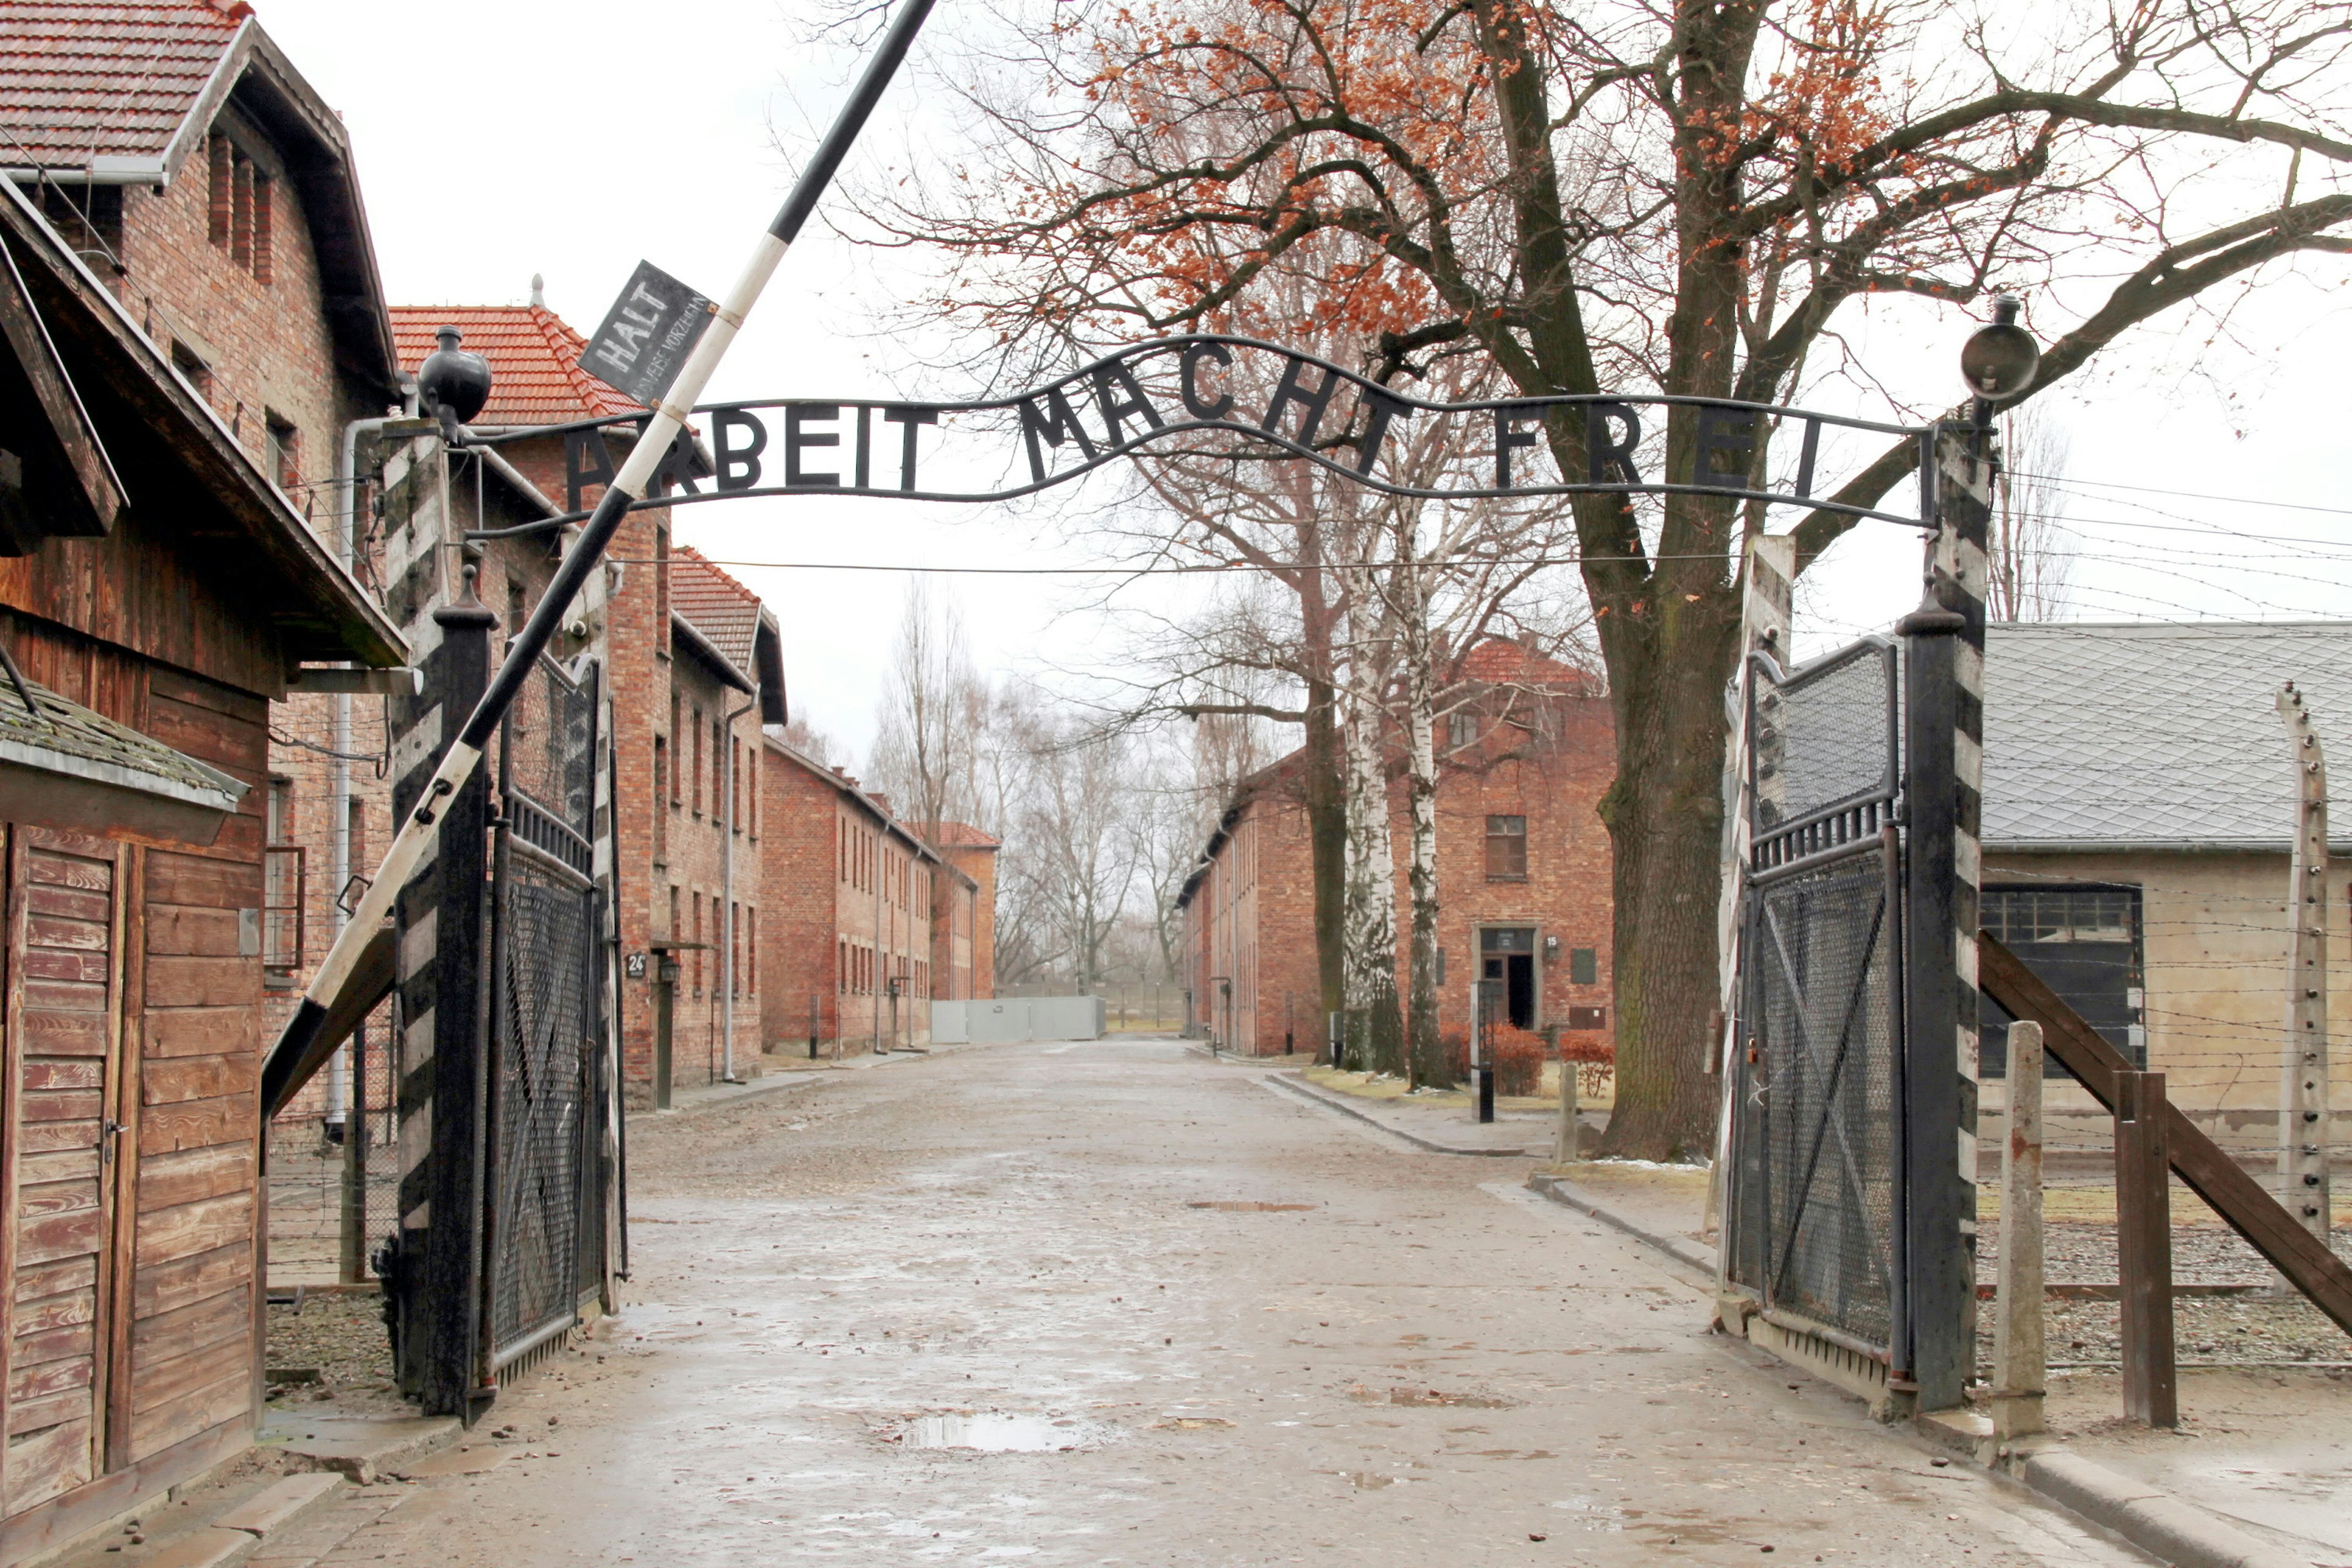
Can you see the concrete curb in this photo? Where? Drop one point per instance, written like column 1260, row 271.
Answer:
column 1682, row 1249
column 1290, row 1082
column 2165, row 1527
column 361, row 1456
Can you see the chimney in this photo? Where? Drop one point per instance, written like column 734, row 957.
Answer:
column 883, row 801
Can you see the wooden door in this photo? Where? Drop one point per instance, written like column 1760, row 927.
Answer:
column 62, row 1039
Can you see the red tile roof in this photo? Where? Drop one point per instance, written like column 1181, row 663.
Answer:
column 535, row 375
column 88, row 77
column 958, row 835
column 725, row 612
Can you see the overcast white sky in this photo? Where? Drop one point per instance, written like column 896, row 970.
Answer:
column 499, row 138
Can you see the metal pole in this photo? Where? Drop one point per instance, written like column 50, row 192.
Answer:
column 353, row 1228
column 2304, row 1123
column 2021, row 1370
column 409, row 845
column 2144, row 1249
column 727, row 903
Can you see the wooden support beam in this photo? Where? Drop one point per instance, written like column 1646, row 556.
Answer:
column 2267, row 1224
column 2144, row 1249
column 2302, row 1068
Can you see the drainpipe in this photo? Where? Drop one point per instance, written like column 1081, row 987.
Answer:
column 338, row 792
column 881, row 960
column 727, row 905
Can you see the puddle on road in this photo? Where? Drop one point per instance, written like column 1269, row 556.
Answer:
column 998, row 1433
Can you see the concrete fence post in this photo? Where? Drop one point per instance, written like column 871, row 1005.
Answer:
column 1564, row 1147
column 2020, row 1359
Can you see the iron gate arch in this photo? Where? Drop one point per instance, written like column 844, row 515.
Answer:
column 1814, row 1217
column 546, row 1191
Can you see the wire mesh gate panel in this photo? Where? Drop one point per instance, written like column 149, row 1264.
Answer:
column 546, row 1226
column 1812, row 1217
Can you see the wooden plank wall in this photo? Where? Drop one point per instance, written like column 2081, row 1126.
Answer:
column 63, row 940
column 178, row 1352
column 136, row 590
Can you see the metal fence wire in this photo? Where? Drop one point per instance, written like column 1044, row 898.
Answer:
column 542, row 1067
column 1818, row 1114
column 1813, row 1187
column 546, row 1226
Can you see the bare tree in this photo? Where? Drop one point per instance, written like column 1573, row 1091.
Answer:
column 2030, row 555
column 925, row 752
column 1628, row 194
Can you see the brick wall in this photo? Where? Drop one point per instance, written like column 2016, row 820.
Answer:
column 265, row 345
column 690, row 864
column 978, row 861
column 1251, row 917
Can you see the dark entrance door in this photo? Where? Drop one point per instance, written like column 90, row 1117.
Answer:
column 1508, row 953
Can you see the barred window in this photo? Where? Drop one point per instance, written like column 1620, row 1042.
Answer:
column 2084, row 941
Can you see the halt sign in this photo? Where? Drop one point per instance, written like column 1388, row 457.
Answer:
column 647, row 335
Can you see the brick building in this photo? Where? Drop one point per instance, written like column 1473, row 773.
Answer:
column 1523, row 869
column 965, row 956
column 866, row 923
column 165, row 618
column 683, row 646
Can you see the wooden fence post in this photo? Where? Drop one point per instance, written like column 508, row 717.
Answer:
column 2019, row 1363
column 2143, row 1247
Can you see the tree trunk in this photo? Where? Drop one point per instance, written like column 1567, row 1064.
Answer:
column 1371, row 932
column 1423, row 1048
column 1323, row 785
column 1664, row 815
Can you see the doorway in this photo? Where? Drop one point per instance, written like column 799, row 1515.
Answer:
column 1508, row 953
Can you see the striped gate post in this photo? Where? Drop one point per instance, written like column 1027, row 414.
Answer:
column 1943, row 681
column 1767, row 595
column 433, row 1288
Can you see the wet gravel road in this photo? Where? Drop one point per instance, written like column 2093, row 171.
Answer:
column 1209, row 1323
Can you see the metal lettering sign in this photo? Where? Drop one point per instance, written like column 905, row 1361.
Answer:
column 1164, row 398
column 647, row 335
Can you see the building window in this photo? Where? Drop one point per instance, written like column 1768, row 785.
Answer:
column 1441, row 966
column 696, row 906
column 282, row 897
column 1583, row 966
column 1506, row 848
column 698, row 762
column 753, row 964
column 662, row 786
column 1460, row 729
column 2084, row 944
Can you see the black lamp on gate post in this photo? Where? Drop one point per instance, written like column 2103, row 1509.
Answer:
column 1999, row 360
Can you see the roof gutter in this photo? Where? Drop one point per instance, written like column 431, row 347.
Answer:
column 107, row 168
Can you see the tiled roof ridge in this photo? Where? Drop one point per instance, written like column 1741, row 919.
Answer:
column 550, row 351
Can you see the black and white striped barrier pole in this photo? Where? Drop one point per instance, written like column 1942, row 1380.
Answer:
column 409, row 847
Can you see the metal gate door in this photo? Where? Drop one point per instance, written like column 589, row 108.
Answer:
column 545, row 1188
column 1812, row 1218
